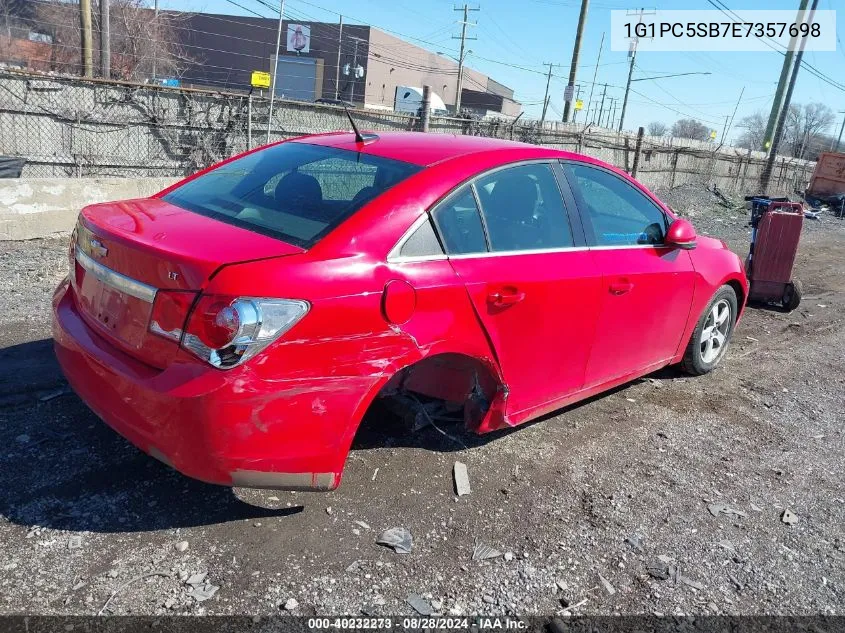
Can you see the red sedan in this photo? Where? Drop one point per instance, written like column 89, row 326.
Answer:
column 239, row 324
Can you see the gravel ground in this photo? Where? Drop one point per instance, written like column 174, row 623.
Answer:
column 665, row 496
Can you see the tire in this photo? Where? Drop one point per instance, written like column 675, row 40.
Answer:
column 792, row 295
column 704, row 352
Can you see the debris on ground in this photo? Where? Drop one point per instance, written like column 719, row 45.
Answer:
column 485, row 552
column 720, row 508
column 419, row 604
column 788, row 517
column 607, row 586
column 635, row 542
column 74, row 542
column 203, row 592
column 461, row 479
column 291, row 604
column 181, row 546
column 397, row 538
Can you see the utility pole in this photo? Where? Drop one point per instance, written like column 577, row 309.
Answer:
column 546, row 97
column 105, row 40
column 766, row 176
column 784, row 75
column 577, row 99
column 464, row 24
column 576, row 51
column 155, row 39
column 611, row 112
column 337, row 69
column 601, row 106
column 632, row 53
column 275, row 66
column 87, row 44
column 841, row 129
column 595, row 74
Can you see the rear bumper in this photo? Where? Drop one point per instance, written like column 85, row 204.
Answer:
column 223, row 427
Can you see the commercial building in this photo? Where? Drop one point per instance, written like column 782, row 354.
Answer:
column 359, row 64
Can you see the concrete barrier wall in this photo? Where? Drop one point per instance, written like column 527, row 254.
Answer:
column 37, row 207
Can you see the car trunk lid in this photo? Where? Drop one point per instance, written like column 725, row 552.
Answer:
column 128, row 251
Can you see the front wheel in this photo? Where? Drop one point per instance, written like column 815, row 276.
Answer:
column 711, row 336
column 792, row 295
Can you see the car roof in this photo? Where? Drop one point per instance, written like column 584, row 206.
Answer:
column 426, row 149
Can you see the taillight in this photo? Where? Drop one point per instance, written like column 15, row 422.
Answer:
column 170, row 311
column 226, row 331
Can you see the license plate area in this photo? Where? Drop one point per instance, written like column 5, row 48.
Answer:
column 115, row 313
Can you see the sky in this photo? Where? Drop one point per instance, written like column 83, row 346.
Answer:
column 516, row 37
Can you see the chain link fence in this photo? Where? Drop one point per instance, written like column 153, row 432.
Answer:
column 73, row 127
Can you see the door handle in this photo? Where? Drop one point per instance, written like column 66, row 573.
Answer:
column 620, row 287
column 505, row 297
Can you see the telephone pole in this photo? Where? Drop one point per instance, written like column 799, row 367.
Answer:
column 546, row 97
column 595, row 74
column 784, row 76
column 155, row 39
column 766, row 176
column 601, row 105
column 632, row 53
column 354, row 70
column 275, row 66
column 576, row 51
column 841, row 129
column 105, row 40
column 87, row 39
column 611, row 110
column 464, row 24
column 337, row 69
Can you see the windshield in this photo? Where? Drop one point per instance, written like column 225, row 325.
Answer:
column 293, row 191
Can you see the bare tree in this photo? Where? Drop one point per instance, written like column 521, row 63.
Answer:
column 805, row 124
column 137, row 38
column 657, row 128
column 753, row 130
column 690, row 128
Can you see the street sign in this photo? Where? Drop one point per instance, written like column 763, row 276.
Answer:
column 260, row 79
column 579, row 104
column 569, row 93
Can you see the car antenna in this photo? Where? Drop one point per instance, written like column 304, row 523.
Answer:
column 359, row 138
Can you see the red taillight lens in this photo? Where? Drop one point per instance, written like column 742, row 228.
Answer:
column 170, row 310
column 217, row 322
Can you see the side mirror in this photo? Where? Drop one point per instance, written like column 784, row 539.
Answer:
column 681, row 234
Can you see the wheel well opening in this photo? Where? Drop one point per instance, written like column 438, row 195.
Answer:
column 740, row 295
column 443, row 388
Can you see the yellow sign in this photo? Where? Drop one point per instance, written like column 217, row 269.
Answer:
column 712, row 135
column 579, row 104
column 260, row 79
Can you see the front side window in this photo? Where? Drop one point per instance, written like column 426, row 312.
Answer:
column 523, row 209
column 619, row 214
column 292, row 191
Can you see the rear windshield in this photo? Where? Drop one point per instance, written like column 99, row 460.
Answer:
column 293, row 191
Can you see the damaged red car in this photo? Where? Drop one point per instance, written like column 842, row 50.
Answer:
column 239, row 325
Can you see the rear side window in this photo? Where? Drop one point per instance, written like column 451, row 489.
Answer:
column 459, row 223
column 619, row 214
column 422, row 243
column 523, row 209
column 293, row 191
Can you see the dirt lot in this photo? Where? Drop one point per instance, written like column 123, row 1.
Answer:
column 83, row 514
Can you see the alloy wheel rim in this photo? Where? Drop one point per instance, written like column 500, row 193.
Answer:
column 714, row 336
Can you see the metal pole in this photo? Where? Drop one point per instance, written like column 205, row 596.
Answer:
column 766, row 176
column 249, row 121
column 784, row 74
column 337, row 69
column 105, row 40
column 155, row 39
column 601, row 106
column 595, row 74
column 87, row 39
column 275, row 66
column 576, row 50
column 354, row 70
column 627, row 86
column 637, row 151
column 577, row 99
column 546, row 96
column 425, row 113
